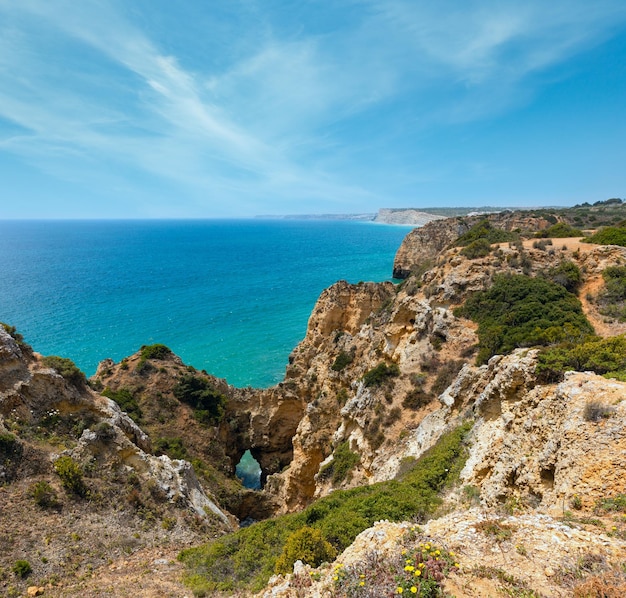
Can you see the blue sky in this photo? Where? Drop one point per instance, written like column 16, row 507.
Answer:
column 196, row 109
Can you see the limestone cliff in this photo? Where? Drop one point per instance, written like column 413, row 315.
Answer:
column 383, row 371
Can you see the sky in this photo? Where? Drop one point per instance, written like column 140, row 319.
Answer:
column 235, row 108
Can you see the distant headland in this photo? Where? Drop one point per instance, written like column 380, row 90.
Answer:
column 403, row 216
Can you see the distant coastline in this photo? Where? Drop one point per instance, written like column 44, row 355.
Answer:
column 399, row 216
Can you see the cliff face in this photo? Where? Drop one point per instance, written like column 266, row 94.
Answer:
column 353, row 329
column 79, row 484
column 423, row 245
column 383, row 371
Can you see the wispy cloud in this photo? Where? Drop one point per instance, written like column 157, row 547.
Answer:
column 281, row 121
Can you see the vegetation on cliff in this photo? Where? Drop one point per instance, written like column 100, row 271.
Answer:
column 611, row 235
column 485, row 231
column 521, row 311
column 246, row 559
column 606, row 356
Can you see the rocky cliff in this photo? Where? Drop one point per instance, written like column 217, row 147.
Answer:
column 383, row 372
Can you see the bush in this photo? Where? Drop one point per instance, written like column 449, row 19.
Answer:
column 596, row 411
column 10, row 447
column 43, row 494
column 484, row 230
column 71, row 475
column 22, row 569
column 127, row 401
column 343, row 359
column 560, row 230
column 567, row 274
column 157, row 351
column 416, row 398
column 611, row 235
column 208, row 403
column 476, row 249
column 344, row 461
column 380, row 374
column 600, row 355
column 308, row 545
column 542, row 244
column 612, row 299
column 172, row 447
column 66, row 368
column 520, row 311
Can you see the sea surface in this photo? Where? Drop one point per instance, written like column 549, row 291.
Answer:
column 232, row 297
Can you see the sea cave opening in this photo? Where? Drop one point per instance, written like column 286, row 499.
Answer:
column 248, row 471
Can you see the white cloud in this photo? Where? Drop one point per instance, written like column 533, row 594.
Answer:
column 266, row 123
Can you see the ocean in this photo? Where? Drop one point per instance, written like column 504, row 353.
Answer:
column 229, row 296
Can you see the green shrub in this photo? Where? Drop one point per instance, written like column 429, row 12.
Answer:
column 127, row 401
column 43, row 494
column 560, row 230
column 476, row 249
column 22, row 569
column 144, row 367
column 416, row 398
column 542, row 244
column 342, row 396
column 308, row 545
column 344, row 461
column 71, row 475
column 484, row 230
column 172, row 447
column 207, row 402
column 246, row 559
column 611, row 235
column 519, row 311
column 567, row 274
column 10, row 447
column 599, row 355
column 156, row 351
column 612, row 299
column 380, row 374
column 343, row 359
column 66, row 368
column 612, row 504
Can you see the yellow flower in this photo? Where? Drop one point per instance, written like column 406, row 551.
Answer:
column 421, row 565
column 451, row 553
column 408, row 561
column 409, row 568
column 437, row 552
column 404, row 552
column 335, row 578
column 418, row 573
column 362, row 575
column 413, row 590
column 457, row 565
column 399, row 590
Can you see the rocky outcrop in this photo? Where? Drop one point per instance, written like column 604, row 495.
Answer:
column 422, row 246
column 39, row 398
column 548, row 446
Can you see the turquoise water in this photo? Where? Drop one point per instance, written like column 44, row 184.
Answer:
column 231, row 297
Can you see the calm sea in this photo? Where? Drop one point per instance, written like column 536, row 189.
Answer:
column 231, row 297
